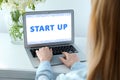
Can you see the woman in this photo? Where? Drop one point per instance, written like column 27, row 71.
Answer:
column 104, row 61
column 104, row 48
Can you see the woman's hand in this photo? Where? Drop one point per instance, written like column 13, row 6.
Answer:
column 44, row 54
column 69, row 59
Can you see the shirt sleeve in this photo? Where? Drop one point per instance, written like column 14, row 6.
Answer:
column 78, row 72
column 78, row 65
column 44, row 71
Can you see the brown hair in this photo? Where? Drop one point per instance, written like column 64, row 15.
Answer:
column 104, row 36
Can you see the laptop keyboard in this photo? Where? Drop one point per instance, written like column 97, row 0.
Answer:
column 57, row 50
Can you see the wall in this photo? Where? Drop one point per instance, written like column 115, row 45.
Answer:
column 81, row 11
column 3, row 23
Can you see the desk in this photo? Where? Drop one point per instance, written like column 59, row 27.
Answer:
column 15, row 64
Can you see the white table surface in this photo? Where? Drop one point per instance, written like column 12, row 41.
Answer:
column 14, row 57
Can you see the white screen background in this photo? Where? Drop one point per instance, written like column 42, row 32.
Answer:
column 54, row 35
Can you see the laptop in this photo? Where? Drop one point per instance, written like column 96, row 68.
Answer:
column 52, row 28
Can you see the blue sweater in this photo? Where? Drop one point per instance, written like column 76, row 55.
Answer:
column 78, row 72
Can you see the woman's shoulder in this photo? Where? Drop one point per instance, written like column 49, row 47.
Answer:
column 73, row 75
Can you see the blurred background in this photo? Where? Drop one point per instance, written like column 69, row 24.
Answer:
column 81, row 14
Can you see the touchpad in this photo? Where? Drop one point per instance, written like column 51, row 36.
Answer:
column 55, row 60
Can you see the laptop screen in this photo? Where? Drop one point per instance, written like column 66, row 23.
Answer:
column 46, row 27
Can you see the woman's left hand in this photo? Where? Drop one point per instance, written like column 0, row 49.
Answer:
column 44, row 54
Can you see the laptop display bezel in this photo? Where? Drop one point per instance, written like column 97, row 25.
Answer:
column 48, row 12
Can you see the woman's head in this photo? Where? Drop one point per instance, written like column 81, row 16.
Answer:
column 104, row 36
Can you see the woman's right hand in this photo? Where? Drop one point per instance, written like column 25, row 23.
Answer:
column 69, row 59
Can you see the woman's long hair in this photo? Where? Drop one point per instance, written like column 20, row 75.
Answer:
column 104, row 36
